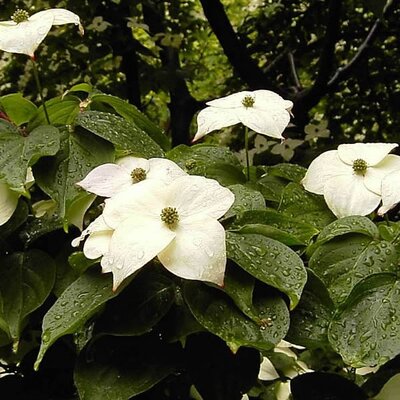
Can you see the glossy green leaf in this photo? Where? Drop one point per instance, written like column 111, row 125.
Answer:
column 57, row 177
column 18, row 152
column 310, row 320
column 139, row 307
column 291, row 172
column 17, row 108
column 75, row 306
column 345, row 261
column 366, row 332
column 226, row 174
column 26, row 280
column 132, row 114
column 245, row 199
column 18, row 218
column 269, row 261
column 61, row 111
column 276, row 225
column 119, row 369
column 271, row 187
column 122, row 133
column 307, row 207
column 218, row 314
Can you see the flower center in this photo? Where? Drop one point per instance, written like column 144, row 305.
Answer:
column 138, row 174
column 360, row 166
column 20, row 16
column 170, row 216
column 248, row 101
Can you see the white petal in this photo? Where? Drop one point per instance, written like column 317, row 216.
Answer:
column 60, row 16
column 98, row 225
column 232, row 101
column 130, row 163
column 193, row 195
column 283, row 391
column 390, row 192
column 372, row 153
column 144, row 198
column 265, row 99
column 374, row 175
column 134, row 243
column 8, row 203
column 212, row 118
column 97, row 244
column 267, row 370
column 198, row 250
column 164, row 170
column 106, row 180
column 324, row 167
column 25, row 37
column 271, row 123
column 347, row 195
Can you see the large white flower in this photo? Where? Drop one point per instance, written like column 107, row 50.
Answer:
column 177, row 223
column 390, row 191
column 109, row 179
column 9, row 198
column 24, row 33
column 350, row 178
column 262, row 111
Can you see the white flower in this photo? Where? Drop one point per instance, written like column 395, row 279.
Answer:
column 9, row 198
column 350, row 178
column 262, row 111
column 177, row 223
column 390, row 191
column 25, row 33
column 109, row 179
column 286, row 148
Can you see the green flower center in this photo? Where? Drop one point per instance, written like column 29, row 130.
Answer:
column 360, row 166
column 138, row 175
column 20, row 16
column 170, row 216
column 248, row 101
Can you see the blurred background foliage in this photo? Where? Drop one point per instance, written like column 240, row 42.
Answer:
column 337, row 60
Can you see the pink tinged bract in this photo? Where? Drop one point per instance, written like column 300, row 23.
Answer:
column 26, row 36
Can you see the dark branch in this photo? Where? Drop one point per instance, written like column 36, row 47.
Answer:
column 234, row 49
column 294, row 71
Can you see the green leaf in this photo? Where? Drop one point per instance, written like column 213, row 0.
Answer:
column 132, row 114
column 276, row 225
column 17, row 108
column 271, row 188
column 310, row 320
column 17, row 153
column 18, row 218
column 245, row 199
column 61, row 110
column 139, row 307
column 26, row 280
column 290, row 172
column 345, row 261
column 305, row 206
column 198, row 158
column 269, row 261
column 366, row 332
column 79, row 302
column 217, row 313
column 119, row 369
column 226, row 174
column 57, row 177
column 123, row 134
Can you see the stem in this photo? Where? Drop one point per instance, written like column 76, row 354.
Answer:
column 39, row 88
column 387, row 220
column 246, row 146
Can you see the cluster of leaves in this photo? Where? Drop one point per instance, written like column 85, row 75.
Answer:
column 293, row 272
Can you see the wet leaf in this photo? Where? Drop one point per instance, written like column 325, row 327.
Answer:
column 291, row 172
column 245, row 199
column 366, row 332
column 269, row 261
column 17, row 108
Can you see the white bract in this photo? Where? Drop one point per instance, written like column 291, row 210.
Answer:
column 109, row 179
column 390, row 191
column 262, row 111
column 176, row 222
column 9, row 198
column 24, row 33
column 351, row 177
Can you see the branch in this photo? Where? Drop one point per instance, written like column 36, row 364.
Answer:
column 234, row 49
column 293, row 71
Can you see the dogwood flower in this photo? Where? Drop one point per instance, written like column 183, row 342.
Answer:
column 9, row 198
column 350, row 178
column 109, row 179
column 263, row 111
column 176, row 222
column 390, row 192
column 24, row 33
